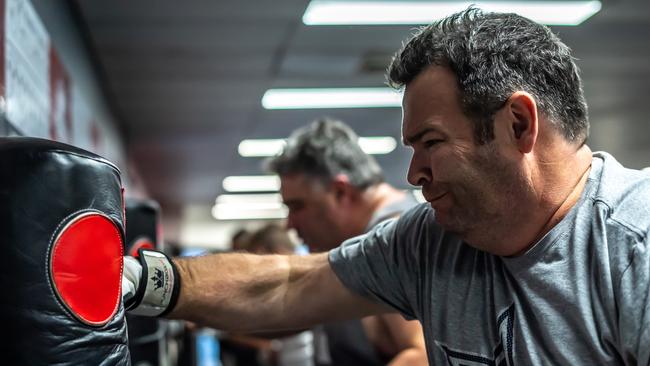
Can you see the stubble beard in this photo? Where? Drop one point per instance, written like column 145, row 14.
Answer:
column 488, row 209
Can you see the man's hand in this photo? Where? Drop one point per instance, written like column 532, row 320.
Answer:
column 131, row 275
column 150, row 284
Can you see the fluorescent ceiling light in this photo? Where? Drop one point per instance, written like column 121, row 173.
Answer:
column 249, row 207
column 229, row 213
column 251, row 183
column 375, row 145
column 310, row 98
column 324, row 12
column 261, row 147
column 246, row 199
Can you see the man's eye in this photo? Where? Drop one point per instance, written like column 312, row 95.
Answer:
column 429, row 143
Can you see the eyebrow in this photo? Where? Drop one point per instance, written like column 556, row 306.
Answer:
column 410, row 140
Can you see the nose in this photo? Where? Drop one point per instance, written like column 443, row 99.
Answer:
column 419, row 170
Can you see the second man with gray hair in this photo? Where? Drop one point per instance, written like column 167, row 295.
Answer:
column 335, row 191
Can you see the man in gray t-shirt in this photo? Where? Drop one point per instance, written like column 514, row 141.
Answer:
column 531, row 249
column 579, row 296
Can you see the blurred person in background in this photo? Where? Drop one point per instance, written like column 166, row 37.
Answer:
column 335, row 191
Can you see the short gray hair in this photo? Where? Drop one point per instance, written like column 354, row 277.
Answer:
column 324, row 149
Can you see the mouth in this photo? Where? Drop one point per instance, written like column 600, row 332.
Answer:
column 435, row 198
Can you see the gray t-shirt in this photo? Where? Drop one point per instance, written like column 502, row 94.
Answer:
column 580, row 296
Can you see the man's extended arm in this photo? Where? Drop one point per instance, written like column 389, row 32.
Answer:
column 245, row 292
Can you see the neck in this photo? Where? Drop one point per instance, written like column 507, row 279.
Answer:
column 375, row 198
column 558, row 185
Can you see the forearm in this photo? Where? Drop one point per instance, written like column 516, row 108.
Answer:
column 410, row 348
column 243, row 292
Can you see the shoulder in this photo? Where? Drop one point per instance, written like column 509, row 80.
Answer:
column 624, row 196
column 418, row 226
column 619, row 215
column 416, row 216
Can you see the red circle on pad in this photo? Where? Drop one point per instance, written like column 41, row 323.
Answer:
column 86, row 267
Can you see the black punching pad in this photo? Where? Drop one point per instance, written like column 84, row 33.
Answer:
column 142, row 232
column 61, row 219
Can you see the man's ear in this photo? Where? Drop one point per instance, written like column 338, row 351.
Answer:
column 523, row 120
column 342, row 188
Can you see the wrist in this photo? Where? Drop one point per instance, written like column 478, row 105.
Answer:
column 159, row 286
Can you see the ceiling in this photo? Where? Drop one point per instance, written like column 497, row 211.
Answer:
column 186, row 82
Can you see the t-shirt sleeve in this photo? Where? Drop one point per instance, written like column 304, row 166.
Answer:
column 378, row 266
column 635, row 306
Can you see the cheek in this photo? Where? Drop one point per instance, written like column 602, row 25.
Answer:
column 326, row 206
column 304, row 217
column 450, row 166
column 327, row 218
column 314, row 216
column 493, row 178
column 308, row 218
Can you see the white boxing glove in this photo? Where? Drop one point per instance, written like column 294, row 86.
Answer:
column 150, row 283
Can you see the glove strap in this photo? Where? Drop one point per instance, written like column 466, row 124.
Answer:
column 159, row 287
